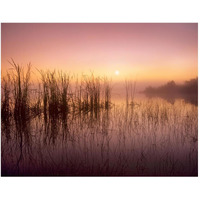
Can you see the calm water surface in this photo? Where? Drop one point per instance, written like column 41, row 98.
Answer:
column 153, row 137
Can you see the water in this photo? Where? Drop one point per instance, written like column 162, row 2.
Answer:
column 153, row 137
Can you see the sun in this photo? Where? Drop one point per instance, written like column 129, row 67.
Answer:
column 116, row 72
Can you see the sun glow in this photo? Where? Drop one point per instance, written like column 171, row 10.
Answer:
column 116, row 72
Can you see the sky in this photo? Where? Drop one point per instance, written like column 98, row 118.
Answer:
column 145, row 52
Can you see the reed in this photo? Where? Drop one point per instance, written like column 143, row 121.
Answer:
column 130, row 88
column 54, row 95
column 65, row 97
column 20, row 80
column 89, row 93
column 5, row 97
column 107, row 93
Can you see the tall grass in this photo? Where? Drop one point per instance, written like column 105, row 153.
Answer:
column 62, row 93
column 6, row 97
column 130, row 88
column 65, row 80
column 20, row 83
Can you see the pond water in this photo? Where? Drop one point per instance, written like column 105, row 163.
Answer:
column 152, row 137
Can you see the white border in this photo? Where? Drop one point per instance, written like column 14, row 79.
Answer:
column 99, row 11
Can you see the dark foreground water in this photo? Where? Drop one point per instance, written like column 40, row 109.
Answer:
column 153, row 137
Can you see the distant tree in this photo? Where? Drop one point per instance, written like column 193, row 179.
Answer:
column 189, row 87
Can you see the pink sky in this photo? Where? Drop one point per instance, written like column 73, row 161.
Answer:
column 148, row 52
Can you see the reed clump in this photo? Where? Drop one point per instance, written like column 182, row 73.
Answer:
column 57, row 93
column 20, row 86
column 130, row 88
column 6, row 97
column 36, row 105
column 91, row 98
column 65, row 98
column 107, row 94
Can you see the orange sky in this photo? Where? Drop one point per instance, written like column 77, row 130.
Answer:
column 146, row 52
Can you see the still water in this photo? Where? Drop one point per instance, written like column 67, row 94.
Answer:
column 152, row 137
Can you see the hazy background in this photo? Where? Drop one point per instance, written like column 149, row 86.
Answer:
column 151, row 54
